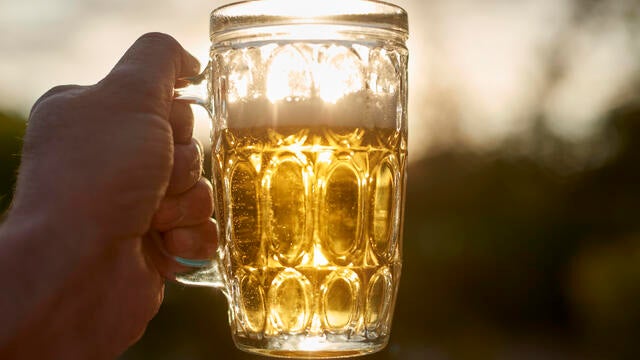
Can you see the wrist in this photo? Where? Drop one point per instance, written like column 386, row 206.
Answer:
column 39, row 255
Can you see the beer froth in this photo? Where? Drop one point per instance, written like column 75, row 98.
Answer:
column 361, row 109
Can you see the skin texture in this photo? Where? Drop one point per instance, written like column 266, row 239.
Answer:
column 109, row 189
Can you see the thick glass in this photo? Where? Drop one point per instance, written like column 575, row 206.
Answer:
column 309, row 156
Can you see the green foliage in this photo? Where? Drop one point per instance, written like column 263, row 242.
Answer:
column 11, row 132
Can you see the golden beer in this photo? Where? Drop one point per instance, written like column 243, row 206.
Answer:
column 310, row 218
column 309, row 159
column 309, row 153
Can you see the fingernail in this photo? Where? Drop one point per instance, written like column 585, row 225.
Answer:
column 192, row 263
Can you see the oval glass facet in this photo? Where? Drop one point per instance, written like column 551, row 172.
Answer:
column 287, row 206
column 340, row 296
column 383, row 214
column 252, row 302
column 244, row 214
column 290, row 297
column 342, row 212
column 378, row 299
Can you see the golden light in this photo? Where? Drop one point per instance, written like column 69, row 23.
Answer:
column 240, row 79
column 340, row 74
column 302, row 72
column 288, row 76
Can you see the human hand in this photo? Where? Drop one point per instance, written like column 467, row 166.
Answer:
column 105, row 167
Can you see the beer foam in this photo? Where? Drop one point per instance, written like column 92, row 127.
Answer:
column 361, row 109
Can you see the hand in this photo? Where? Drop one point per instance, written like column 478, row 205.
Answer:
column 106, row 169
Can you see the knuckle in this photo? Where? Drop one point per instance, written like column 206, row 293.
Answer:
column 159, row 38
column 182, row 122
column 161, row 41
column 187, row 168
column 199, row 155
column 141, row 77
column 195, row 156
column 125, row 89
column 57, row 97
column 204, row 196
column 59, row 89
column 187, row 156
column 126, row 81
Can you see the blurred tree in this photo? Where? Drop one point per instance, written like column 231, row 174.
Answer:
column 12, row 128
column 604, row 282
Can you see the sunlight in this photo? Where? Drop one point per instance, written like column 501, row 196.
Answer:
column 318, row 256
column 292, row 74
column 339, row 75
column 288, row 76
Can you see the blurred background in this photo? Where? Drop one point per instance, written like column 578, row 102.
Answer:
column 522, row 231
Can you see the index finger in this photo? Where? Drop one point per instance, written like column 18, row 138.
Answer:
column 161, row 52
column 148, row 71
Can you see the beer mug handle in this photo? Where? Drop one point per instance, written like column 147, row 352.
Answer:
column 205, row 272
column 196, row 91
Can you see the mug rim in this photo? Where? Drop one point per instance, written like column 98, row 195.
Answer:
column 374, row 14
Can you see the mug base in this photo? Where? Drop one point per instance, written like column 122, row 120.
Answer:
column 311, row 347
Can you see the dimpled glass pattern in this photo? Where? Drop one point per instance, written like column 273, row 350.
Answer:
column 309, row 158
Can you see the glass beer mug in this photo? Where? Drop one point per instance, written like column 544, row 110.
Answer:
column 309, row 157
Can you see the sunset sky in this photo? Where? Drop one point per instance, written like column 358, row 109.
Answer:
column 485, row 68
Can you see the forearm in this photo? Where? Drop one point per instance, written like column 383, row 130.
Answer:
column 39, row 256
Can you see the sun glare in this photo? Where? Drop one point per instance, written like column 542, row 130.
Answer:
column 288, row 75
column 294, row 75
column 340, row 75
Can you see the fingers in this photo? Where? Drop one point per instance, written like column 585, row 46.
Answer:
column 184, row 216
column 184, row 231
column 148, row 71
column 194, row 242
column 57, row 90
column 181, row 119
column 187, row 167
column 160, row 53
column 190, row 208
column 197, row 242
